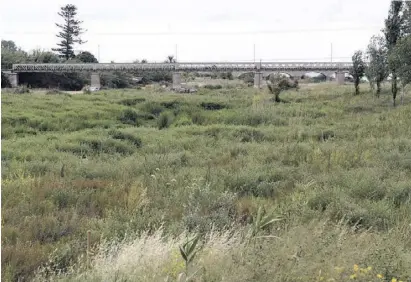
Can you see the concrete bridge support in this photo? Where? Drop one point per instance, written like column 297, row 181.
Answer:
column 340, row 78
column 13, row 78
column 258, row 79
column 176, row 80
column 95, row 80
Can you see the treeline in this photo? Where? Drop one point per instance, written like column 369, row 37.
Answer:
column 12, row 54
column 388, row 54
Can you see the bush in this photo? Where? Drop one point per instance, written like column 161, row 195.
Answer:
column 249, row 135
column 136, row 141
column 5, row 82
column 86, row 90
column 247, row 77
column 153, row 108
column 213, row 87
column 212, row 106
column 131, row 102
column 277, row 83
column 130, row 116
column 183, row 120
column 21, row 90
column 54, row 91
column 164, row 120
column 207, row 208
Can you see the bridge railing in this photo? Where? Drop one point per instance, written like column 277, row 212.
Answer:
column 189, row 66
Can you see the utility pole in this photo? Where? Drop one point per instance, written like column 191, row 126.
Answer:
column 99, row 53
column 254, row 53
column 176, row 52
column 331, row 52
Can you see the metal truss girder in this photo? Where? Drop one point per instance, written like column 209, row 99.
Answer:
column 217, row 66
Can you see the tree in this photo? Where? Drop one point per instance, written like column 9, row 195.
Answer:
column 170, row 59
column 42, row 57
column 8, row 45
column 394, row 26
column 400, row 60
column 358, row 69
column 277, row 83
column 86, row 57
column 377, row 69
column 11, row 54
column 70, row 33
column 406, row 16
column 5, row 82
column 144, row 61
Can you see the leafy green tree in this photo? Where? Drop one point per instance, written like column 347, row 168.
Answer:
column 43, row 57
column 407, row 18
column 358, row 69
column 70, row 32
column 86, row 57
column 11, row 54
column 377, row 69
column 394, row 27
column 278, row 83
column 8, row 45
column 5, row 82
column 400, row 60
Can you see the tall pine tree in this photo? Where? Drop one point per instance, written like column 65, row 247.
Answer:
column 70, row 32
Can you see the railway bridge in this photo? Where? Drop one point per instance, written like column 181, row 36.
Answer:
column 294, row 69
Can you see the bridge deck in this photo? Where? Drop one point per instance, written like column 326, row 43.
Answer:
column 192, row 66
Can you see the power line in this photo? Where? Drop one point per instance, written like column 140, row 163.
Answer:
column 168, row 33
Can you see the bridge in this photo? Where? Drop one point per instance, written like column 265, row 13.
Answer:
column 294, row 69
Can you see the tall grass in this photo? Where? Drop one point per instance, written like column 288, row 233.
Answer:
column 335, row 168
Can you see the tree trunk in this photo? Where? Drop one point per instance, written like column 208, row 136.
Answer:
column 394, row 87
column 357, row 86
column 277, row 97
column 402, row 94
column 378, row 89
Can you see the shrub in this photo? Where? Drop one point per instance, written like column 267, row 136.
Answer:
column 212, row 106
column 249, row 135
column 21, row 90
column 54, row 91
column 130, row 116
column 171, row 105
column 153, row 108
column 5, row 82
column 86, row 90
column 198, row 118
column 132, row 101
column 325, row 135
column 247, row 77
column 136, row 141
column 213, row 87
column 164, row 120
column 207, row 208
column 183, row 120
column 276, row 84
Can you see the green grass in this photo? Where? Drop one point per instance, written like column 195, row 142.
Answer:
column 336, row 168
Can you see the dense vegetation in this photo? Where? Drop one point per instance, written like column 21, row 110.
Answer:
column 335, row 168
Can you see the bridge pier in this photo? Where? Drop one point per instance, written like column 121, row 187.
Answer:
column 340, row 77
column 258, row 78
column 176, row 80
column 95, row 80
column 13, row 78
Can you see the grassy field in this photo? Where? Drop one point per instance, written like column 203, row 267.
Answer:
column 141, row 169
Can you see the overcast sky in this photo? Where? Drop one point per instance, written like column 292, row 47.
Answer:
column 127, row 30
